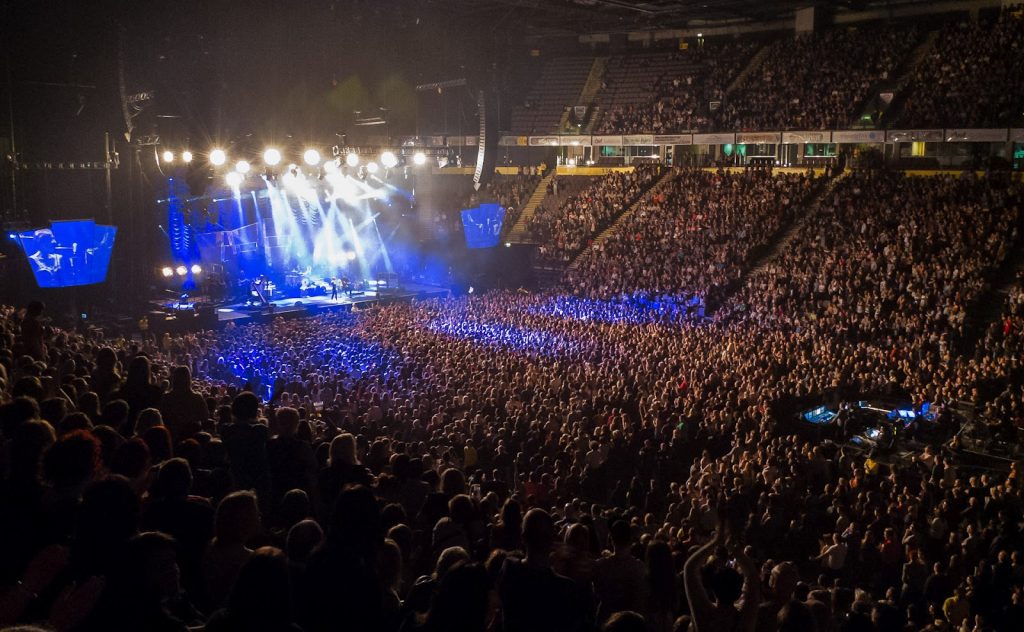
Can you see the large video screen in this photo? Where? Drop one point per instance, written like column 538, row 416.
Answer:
column 482, row 225
column 68, row 253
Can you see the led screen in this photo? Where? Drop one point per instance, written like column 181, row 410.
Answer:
column 68, row 253
column 482, row 225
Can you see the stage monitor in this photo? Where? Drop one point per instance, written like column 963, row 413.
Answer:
column 68, row 253
column 482, row 225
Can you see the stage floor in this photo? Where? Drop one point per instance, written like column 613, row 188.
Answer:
column 239, row 313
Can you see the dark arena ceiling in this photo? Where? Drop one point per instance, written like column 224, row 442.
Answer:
column 601, row 15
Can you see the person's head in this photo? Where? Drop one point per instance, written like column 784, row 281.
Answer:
column 294, row 506
column 796, row 616
column 538, row 533
column 148, row 418
column 72, row 460
column 461, row 601
column 625, row 621
column 28, row 443
column 158, row 439
column 287, row 421
column 448, row 559
column 153, row 556
column 303, row 538
column 131, row 459
column 620, row 535
column 784, row 580
column 245, row 406
column 237, row 519
column 181, row 379
column 726, row 585
column 173, row 479
column 139, row 372
column 107, row 518
column 356, row 524
column 389, row 564
column 343, row 450
column 453, row 482
column 261, row 596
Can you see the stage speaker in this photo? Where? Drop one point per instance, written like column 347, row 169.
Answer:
column 487, row 141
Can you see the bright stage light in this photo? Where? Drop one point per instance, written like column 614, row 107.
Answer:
column 271, row 157
column 218, row 157
column 331, row 166
column 168, row 156
column 186, row 156
column 181, row 270
column 242, row 167
column 372, row 167
column 419, row 159
column 167, row 271
column 389, row 160
column 196, row 269
column 234, row 179
column 350, row 255
column 311, row 157
column 352, row 160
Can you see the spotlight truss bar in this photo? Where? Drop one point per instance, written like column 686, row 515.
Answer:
column 441, row 85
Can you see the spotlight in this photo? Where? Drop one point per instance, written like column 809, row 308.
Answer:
column 168, row 156
column 242, row 167
column 195, row 269
column 271, row 157
column 311, row 157
column 352, row 159
column 234, row 179
column 389, row 160
column 181, row 270
column 331, row 166
column 167, row 271
column 419, row 158
column 372, row 167
column 186, row 156
column 350, row 255
column 218, row 157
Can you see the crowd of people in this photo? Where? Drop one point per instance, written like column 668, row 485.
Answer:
column 563, row 231
column 818, row 81
column 582, row 460
column 693, row 235
column 973, row 77
column 678, row 101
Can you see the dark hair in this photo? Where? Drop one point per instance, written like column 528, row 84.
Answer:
column 538, row 532
column 173, row 479
column 131, row 458
column 460, row 604
column 72, row 459
column 620, row 533
column 261, row 596
column 625, row 621
column 245, row 406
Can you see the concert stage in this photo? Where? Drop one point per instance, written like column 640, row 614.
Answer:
column 175, row 317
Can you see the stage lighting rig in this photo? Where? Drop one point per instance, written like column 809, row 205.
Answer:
column 167, row 271
column 389, row 160
column 242, row 167
column 186, row 156
column 234, row 179
column 419, row 159
column 168, row 156
column 311, row 157
column 218, row 157
column 352, row 159
column 272, row 157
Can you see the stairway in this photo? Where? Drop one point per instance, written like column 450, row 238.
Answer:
column 587, row 95
column 892, row 111
column 665, row 177
column 788, row 233
column 518, row 232
column 752, row 66
column 989, row 306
